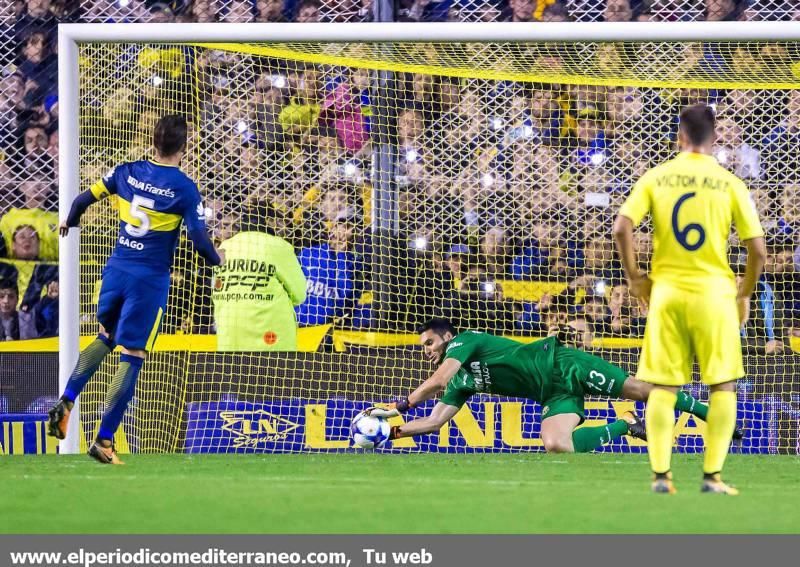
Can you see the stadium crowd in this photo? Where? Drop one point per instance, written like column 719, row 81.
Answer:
column 507, row 191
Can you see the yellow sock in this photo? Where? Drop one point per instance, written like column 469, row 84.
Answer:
column 660, row 421
column 719, row 428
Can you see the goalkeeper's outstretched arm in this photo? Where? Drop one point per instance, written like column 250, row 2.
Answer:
column 435, row 384
column 441, row 414
column 428, row 389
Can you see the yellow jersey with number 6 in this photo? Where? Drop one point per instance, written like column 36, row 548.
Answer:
column 693, row 202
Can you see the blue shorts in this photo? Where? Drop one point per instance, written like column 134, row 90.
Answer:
column 130, row 308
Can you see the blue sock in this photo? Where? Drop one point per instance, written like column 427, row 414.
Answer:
column 88, row 363
column 119, row 394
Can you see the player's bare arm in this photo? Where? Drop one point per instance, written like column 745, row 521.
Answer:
column 638, row 283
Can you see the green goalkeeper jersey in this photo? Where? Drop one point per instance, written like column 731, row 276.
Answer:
column 255, row 292
column 496, row 365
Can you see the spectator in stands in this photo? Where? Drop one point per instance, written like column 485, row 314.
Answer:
column 520, row 10
column 626, row 316
column 496, row 251
column 204, row 11
column 480, row 305
column 270, row 11
column 555, row 310
column 38, row 65
column 590, row 138
column 719, row 10
column 627, row 163
column 341, row 110
column 45, row 312
column 52, row 148
column 268, row 102
column 555, row 12
column 762, row 331
column 349, row 11
column 35, row 215
column 535, row 117
column 238, row 11
column 309, row 11
column 160, row 13
column 733, row 153
column 618, row 11
column 12, row 93
column 459, row 259
column 14, row 325
column 558, row 311
column 751, row 111
column 790, row 209
column 424, row 10
column 302, row 113
column 25, row 243
column 782, row 144
column 780, row 275
column 410, row 130
column 541, row 252
column 34, row 144
column 36, row 17
column 643, row 241
column 596, row 312
column 334, row 275
column 600, row 265
column 625, row 106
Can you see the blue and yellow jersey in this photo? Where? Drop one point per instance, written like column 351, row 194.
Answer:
column 153, row 199
column 693, row 201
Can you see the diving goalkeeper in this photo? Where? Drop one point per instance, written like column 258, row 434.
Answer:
column 546, row 371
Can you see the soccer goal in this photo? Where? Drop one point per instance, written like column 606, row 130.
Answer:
column 471, row 171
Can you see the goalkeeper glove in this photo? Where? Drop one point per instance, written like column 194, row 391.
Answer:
column 394, row 409
column 565, row 334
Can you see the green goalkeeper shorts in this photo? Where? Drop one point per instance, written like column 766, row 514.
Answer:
column 578, row 374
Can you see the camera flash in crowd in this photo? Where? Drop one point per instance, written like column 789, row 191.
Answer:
column 597, row 158
column 412, row 156
column 156, row 81
column 600, row 287
column 420, row 243
column 722, row 156
column 497, row 123
column 488, row 287
column 123, row 3
column 241, row 126
column 487, row 180
column 278, row 81
column 350, row 169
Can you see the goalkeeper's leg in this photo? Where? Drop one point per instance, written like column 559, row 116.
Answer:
column 88, row 363
column 560, row 432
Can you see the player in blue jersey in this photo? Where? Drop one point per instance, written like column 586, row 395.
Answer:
column 154, row 197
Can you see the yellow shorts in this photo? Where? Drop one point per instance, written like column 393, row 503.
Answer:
column 682, row 325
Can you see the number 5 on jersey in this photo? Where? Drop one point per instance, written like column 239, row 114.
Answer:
column 141, row 215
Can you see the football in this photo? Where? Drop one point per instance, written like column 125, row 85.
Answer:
column 369, row 432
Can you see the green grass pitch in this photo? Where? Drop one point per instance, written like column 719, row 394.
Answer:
column 372, row 493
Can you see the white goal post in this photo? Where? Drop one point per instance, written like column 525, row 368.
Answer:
column 71, row 35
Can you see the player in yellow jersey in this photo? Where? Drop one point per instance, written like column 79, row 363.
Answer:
column 695, row 308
